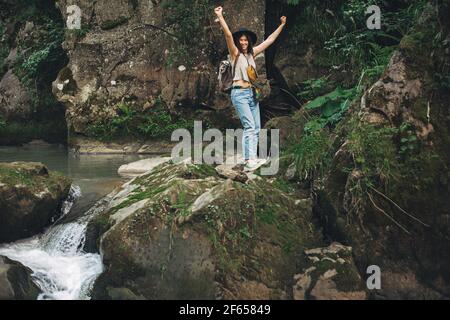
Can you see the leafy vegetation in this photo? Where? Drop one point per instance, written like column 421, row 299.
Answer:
column 337, row 30
column 154, row 123
column 332, row 107
column 46, row 51
column 312, row 88
column 373, row 151
column 311, row 155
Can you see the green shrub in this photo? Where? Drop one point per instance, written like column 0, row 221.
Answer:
column 312, row 88
column 47, row 50
column 332, row 108
column 311, row 154
column 338, row 33
column 156, row 122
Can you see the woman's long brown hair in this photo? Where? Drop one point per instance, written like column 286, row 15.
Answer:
column 238, row 44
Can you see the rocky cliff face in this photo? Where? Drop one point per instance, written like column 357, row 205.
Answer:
column 148, row 55
column 30, row 58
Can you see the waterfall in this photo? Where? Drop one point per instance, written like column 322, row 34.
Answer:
column 61, row 268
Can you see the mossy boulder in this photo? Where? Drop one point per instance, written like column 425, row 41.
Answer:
column 30, row 198
column 183, row 232
column 15, row 281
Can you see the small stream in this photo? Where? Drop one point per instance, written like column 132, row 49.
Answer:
column 60, row 266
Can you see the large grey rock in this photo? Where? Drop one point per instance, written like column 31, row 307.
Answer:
column 142, row 166
column 182, row 232
column 15, row 281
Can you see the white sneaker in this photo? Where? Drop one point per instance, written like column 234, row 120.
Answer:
column 234, row 161
column 254, row 164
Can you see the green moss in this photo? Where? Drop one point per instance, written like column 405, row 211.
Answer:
column 284, row 185
column 39, row 58
column 85, row 28
column 101, row 223
column 16, row 175
column 199, row 171
column 347, row 278
column 250, row 216
column 267, row 216
column 139, row 195
column 156, row 182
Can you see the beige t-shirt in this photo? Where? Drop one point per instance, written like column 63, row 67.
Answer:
column 241, row 66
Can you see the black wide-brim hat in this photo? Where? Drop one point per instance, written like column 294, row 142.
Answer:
column 237, row 34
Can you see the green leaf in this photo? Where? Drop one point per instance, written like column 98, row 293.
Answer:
column 316, row 103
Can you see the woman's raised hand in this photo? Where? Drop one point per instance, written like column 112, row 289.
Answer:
column 283, row 20
column 218, row 11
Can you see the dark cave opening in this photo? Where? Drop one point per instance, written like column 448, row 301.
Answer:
column 280, row 102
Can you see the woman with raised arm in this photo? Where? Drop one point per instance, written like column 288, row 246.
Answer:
column 242, row 50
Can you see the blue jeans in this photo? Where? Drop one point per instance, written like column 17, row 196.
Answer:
column 248, row 109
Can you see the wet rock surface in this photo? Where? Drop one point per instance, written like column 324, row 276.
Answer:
column 15, row 281
column 31, row 198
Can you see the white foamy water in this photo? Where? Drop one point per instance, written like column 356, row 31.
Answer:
column 60, row 266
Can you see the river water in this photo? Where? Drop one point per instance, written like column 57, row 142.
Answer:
column 60, row 266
